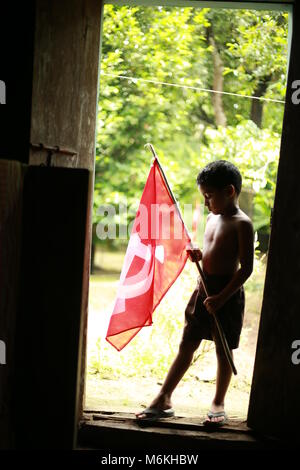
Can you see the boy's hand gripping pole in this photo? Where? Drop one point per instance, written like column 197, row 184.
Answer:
column 219, row 327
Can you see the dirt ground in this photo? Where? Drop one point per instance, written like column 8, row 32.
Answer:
column 193, row 395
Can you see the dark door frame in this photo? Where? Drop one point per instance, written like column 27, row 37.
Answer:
column 255, row 419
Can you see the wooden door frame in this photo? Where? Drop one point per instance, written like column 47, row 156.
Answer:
column 254, row 4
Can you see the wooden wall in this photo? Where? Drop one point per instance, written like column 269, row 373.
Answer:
column 64, row 103
column 55, row 202
column 51, row 71
column 16, row 69
column 274, row 402
column 64, row 97
column 16, row 66
column 11, row 191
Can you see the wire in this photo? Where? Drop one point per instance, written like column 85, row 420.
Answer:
column 134, row 79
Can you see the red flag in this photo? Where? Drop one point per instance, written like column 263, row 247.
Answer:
column 155, row 256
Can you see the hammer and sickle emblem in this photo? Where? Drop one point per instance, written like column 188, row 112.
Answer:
column 141, row 282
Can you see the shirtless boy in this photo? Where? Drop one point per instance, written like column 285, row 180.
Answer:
column 227, row 261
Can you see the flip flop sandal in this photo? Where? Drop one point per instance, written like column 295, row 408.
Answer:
column 217, row 414
column 155, row 414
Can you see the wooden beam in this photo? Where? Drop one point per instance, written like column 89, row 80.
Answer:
column 274, row 401
column 121, row 431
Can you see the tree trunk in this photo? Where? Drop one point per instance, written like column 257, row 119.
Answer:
column 256, row 113
column 217, row 99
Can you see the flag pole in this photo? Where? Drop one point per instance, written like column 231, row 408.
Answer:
column 202, row 276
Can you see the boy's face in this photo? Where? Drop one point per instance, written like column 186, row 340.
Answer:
column 216, row 200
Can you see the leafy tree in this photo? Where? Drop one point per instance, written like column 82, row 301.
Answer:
column 229, row 50
column 259, row 54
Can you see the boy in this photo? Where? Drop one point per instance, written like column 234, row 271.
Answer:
column 228, row 242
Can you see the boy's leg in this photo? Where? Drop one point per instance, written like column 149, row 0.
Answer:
column 224, row 374
column 177, row 370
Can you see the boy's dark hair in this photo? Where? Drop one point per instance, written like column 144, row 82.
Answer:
column 220, row 174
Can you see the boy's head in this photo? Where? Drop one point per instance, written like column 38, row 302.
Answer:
column 220, row 183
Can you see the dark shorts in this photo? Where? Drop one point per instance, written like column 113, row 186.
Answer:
column 199, row 324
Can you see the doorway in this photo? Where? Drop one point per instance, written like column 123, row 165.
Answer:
column 229, row 113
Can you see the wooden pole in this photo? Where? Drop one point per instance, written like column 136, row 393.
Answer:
column 219, row 327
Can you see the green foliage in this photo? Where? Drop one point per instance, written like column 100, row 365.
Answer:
column 258, row 54
column 171, row 45
column 260, row 49
column 255, row 152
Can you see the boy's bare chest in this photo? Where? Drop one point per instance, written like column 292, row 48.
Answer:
column 220, row 232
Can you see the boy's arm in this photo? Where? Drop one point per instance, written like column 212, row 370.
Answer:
column 246, row 255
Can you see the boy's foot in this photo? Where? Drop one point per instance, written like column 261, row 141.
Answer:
column 216, row 416
column 157, row 409
column 152, row 414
